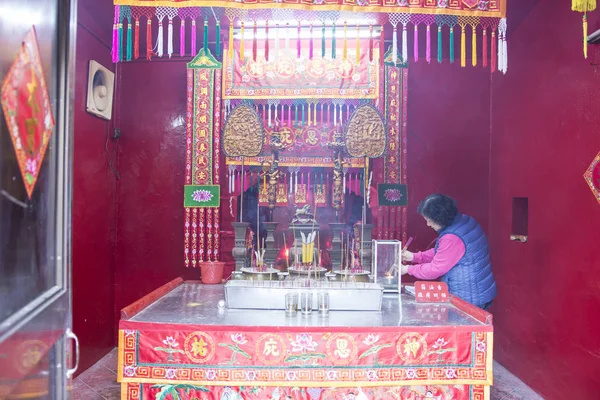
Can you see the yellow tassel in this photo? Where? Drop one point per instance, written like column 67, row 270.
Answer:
column 242, row 43
column 463, row 47
column 315, row 115
column 585, row 36
column 474, row 47
column 357, row 44
column 345, row 41
column 231, row 41
column 583, row 5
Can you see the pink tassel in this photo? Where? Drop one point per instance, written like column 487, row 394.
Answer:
column 115, row 42
column 182, row 38
column 310, row 44
column 193, row 37
column 298, row 46
column 416, row 43
column 428, row 54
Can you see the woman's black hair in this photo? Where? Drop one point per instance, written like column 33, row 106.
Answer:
column 439, row 208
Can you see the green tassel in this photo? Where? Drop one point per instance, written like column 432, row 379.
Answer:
column 439, row 44
column 333, row 43
column 205, row 42
column 323, row 41
column 302, row 115
column 218, row 39
column 120, row 42
column 129, row 42
column 452, row 44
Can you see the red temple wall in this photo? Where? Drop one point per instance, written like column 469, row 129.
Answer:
column 545, row 126
column 94, row 198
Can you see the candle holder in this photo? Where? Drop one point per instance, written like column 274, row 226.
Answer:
column 306, row 303
column 291, row 304
column 323, row 303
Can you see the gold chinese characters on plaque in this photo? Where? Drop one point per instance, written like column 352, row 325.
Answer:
column 365, row 136
column 243, row 134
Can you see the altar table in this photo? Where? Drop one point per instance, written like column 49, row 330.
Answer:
column 176, row 343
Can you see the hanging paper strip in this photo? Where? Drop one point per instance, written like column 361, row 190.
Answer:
column 301, row 78
column 216, row 162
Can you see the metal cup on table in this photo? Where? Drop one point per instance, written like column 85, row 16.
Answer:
column 291, row 304
column 306, row 302
column 323, row 303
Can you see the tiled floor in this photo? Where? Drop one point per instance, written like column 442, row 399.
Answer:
column 99, row 382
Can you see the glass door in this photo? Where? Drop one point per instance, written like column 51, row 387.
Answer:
column 35, row 197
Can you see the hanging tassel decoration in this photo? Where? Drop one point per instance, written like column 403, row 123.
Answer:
column 395, row 44
column 218, row 38
column 404, row 43
column 242, row 40
column 120, row 39
column 428, row 47
column 160, row 39
column 439, row 45
column 287, row 39
column 182, row 37
column 205, row 34
column 267, row 41
column 357, row 44
column 276, row 41
column 323, row 41
column 493, row 52
column 474, row 45
column 463, row 46
column 370, row 43
column 194, row 46
column 149, row 39
column 502, row 50
column 584, row 6
column 310, row 43
column 416, row 43
column 298, row 44
column 129, row 40
column 170, row 38
column 136, row 40
column 254, row 42
column 115, row 42
column 484, row 51
column 345, row 47
column 333, row 42
column 452, row 44
column 309, row 120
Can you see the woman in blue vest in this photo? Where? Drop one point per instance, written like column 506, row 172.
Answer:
column 461, row 256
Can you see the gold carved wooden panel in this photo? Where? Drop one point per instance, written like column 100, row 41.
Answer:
column 365, row 136
column 243, row 134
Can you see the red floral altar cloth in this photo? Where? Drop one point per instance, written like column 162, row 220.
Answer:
column 304, row 357
column 133, row 391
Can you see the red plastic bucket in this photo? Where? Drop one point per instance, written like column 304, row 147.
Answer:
column 211, row 272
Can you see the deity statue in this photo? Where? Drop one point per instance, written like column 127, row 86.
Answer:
column 273, row 172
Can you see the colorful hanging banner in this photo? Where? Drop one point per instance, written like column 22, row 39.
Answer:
column 291, row 78
column 486, row 8
column 27, row 110
column 201, row 197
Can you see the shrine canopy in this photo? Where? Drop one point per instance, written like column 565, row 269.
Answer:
column 479, row 26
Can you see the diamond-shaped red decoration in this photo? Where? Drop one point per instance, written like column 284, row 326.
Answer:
column 592, row 177
column 27, row 110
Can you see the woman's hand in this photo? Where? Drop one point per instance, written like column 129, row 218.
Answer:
column 403, row 269
column 407, row 256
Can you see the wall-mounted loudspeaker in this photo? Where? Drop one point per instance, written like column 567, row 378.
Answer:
column 100, row 91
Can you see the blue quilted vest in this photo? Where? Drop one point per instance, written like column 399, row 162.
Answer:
column 471, row 278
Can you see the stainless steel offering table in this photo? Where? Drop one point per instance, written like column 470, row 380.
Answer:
column 182, row 341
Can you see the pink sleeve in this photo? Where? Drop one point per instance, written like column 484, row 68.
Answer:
column 423, row 256
column 450, row 250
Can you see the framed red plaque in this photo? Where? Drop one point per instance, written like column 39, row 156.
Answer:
column 27, row 110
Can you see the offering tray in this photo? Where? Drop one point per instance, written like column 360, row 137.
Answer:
column 347, row 276
column 305, row 271
column 260, row 275
column 270, row 295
